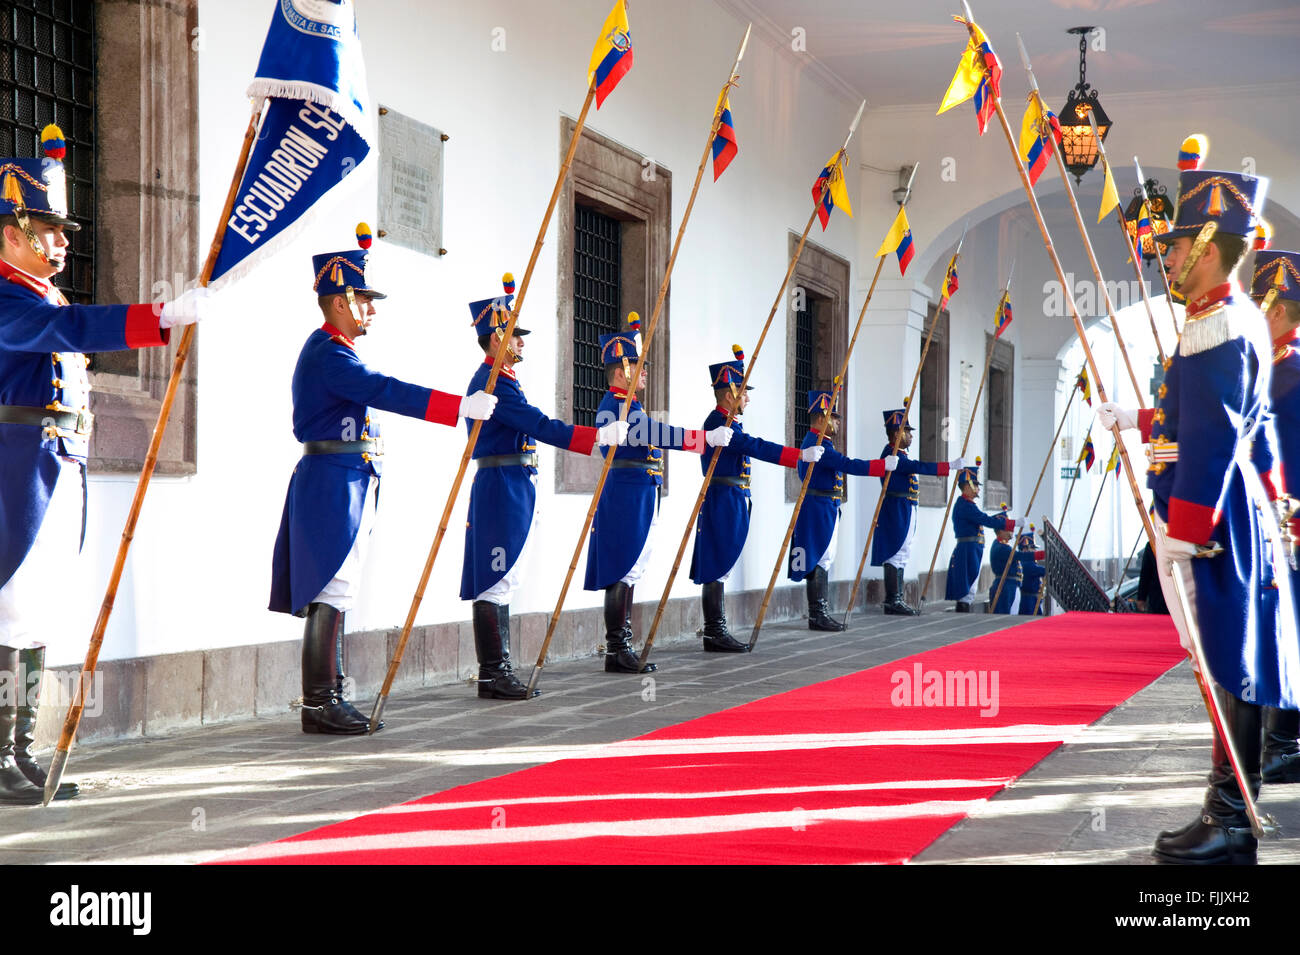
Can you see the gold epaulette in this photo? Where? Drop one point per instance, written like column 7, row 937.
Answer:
column 1211, row 329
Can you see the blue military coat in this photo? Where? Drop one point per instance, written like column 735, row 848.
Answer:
column 42, row 338
column 501, row 499
column 724, row 517
column 999, row 554
column 899, row 504
column 1284, row 394
column 1210, row 428
column 627, row 503
column 817, row 516
column 968, row 523
column 1032, row 573
column 333, row 392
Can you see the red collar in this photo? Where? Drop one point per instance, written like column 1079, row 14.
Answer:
column 724, row 412
column 16, row 275
column 491, row 360
column 1220, row 293
column 338, row 336
column 1287, row 338
column 619, row 393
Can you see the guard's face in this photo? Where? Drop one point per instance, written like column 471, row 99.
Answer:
column 970, row 491
column 51, row 239
column 905, row 439
column 363, row 314
column 1176, row 256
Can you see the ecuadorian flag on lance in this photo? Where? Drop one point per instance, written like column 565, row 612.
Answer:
column 724, row 143
column 949, row 283
column 1002, row 317
column 611, row 57
column 899, row 241
column 315, row 130
column 979, row 75
column 1084, row 386
column 1115, row 461
column 1088, row 455
column 1040, row 133
column 836, row 195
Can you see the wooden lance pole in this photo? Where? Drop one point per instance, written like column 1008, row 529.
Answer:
column 1260, row 827
column 1087, row 242
column 717, row 452
column 73, row 719
column 965, row 444
column 503, row 345
column 1088, row 527
column 1066, row 507
column 907, row 405
column 732, row 78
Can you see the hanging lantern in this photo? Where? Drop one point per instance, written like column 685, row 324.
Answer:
column 1078, row 144
column 1144, row 224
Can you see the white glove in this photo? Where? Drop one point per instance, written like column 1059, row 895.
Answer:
column 613, row 433
column 891, row 462
column 718, row 437
column 1176, row 551
column 812, row 454
column 193, row 306
column 479, row 405
column 956, row 464
column 1109, row 414
column 1021, row 523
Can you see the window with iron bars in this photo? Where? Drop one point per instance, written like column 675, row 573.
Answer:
column 597, row 299
column 47, row 75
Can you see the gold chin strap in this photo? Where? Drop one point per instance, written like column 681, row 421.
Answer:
column 25, row 223
column 1269, row 298
column 1198, row 249
column 514, row 355
column 352, row 304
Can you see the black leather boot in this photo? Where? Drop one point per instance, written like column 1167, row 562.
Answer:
column 496, row 679
column 1222, row 836
column 1281, row 749
column 15, row 788
column 717, row 639
column 31, row 663
column 619, row 655
column 894, row 593
column 818, row 609
column 323, row 708
column 963, row 606
column 341, row 680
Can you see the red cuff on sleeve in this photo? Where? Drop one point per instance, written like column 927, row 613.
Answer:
column 1190, row 522
column 1040, row 555
column 1011, row 525
column 1145, row 416
column 583, row 440
column 877, row 468
column 142, row 328
column 943, row 469
column 789, row 457
column 694, row 441
column 442, row 408
column 1272, row 484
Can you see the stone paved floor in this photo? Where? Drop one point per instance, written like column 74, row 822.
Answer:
column 193, row 796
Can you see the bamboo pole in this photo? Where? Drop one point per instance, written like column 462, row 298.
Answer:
column 636, row 374
column 717, row 452
column 1207, row 696
column 499, row 362
column 803, row 490
column 884, row 486
column 73, row 719
column 965, row 445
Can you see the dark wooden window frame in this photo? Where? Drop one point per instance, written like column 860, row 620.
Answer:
column 627, row 186
column 999, row 432
column 934, row 420
column 826, row 275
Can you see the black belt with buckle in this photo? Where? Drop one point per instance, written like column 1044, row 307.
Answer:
column 372, row 446
column 903, row 494
column 78, row 422
column 833, row 495
column 506, row 461
column 732, row 481
column 970, row 540
column 642, row 465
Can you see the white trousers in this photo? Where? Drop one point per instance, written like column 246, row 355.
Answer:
column 341, row 592
column 40, row 605
column 638, row 569
column 900, row 559
column 1167, row 587
column 504, row 589
column 828, row 557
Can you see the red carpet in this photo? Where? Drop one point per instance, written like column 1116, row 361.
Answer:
column 836, row 772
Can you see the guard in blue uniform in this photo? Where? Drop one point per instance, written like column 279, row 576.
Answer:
column 1276, row 287
column 1032, row 573
column 330, row 506
column 503, row 496
column 896, row 529
column 723, row 524
column 619, row 548
column 1211, row 449
column 812, row 549
column 999, row 554
column 45, row 426
column 968, row 523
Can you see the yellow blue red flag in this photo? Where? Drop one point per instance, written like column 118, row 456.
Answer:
column 1040, row 133
column 899, row 241
column 611, row 57
column 1084, row 386
column 1002, row 317
column 949, row 282
column 836, row 195
column 1088, row 455
column 724, row 143
column 979, row 75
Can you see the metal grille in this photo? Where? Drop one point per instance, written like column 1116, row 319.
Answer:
column 1067, row 580
column 597, row 251
column 805, row 325
column 47, row 75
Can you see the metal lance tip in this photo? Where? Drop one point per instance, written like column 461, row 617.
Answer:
column 374, row 716
column 57, row 765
